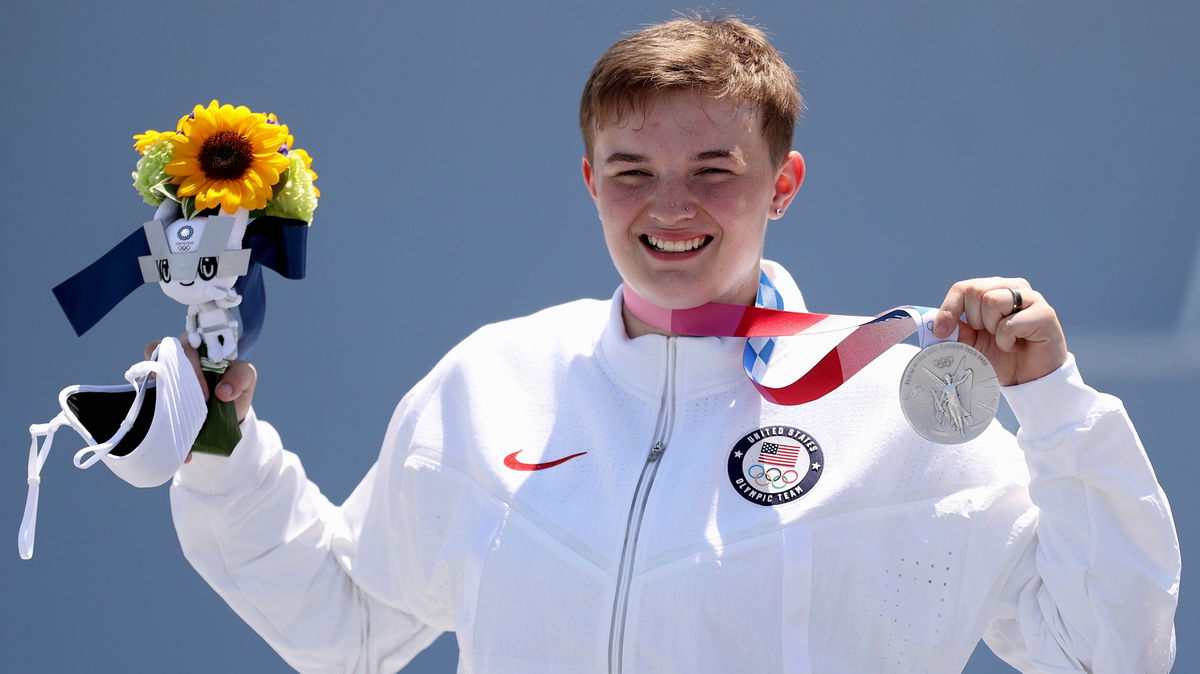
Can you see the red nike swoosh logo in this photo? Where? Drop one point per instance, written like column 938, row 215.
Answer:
column 512, row 462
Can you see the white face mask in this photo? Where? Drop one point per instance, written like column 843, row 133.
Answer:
column 144, row 444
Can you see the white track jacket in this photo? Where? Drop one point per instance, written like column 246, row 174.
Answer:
column 641, row 552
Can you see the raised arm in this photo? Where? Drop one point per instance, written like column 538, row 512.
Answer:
column 274, row 548
column 1096, row 587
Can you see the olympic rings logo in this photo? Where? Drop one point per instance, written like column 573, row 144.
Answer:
column 772, row 476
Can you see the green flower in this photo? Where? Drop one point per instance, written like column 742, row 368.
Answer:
column 298, row 198
column 151, row 171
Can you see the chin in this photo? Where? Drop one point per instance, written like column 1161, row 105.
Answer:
column 676, row 295
column 193, row 294
column 686, row 292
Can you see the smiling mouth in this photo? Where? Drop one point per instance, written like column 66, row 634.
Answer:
column 664, row 246
column 187, row 283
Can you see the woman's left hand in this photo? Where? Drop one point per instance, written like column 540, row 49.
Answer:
column 1009, row 322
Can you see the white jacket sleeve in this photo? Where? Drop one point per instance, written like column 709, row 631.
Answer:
column 278, row 552
column 1095, row 589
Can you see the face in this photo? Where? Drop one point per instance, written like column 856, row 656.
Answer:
column 684, row 190
column 197, row 290
column 191, row 286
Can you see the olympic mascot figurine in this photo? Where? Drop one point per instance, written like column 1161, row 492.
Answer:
column 209, row 259
column 232, row 195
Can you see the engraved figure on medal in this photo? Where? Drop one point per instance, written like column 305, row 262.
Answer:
column 949, row 393
column 953, row 397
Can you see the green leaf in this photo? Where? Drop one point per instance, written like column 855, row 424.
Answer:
column 220, row 432
column 188, row 205
column 166, row 189
column 283, row 181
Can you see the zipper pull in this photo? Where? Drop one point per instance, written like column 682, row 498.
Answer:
column 656, row 451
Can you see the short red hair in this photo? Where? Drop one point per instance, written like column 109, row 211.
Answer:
column 722, row 56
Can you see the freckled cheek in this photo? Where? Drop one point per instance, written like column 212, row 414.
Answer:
column 619, row 201
column 726, row 197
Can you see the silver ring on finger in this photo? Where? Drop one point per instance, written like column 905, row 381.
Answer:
column 1018, row 302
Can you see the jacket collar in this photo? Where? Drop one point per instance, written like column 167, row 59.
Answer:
column 702, row 364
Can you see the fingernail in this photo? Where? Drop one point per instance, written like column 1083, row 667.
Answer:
column 224, row 391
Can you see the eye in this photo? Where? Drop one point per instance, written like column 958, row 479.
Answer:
column 207, row 268
column 634, row 173
column 164, row 271
column 712, row 171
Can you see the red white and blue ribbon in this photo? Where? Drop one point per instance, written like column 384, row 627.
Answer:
column 866, row 339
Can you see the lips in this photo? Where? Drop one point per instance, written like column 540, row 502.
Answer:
column 660, row 245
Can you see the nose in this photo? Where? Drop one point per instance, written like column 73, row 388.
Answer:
column 671, row 202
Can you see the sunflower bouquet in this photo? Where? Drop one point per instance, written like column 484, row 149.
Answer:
column 233, row 195
column 222, row 157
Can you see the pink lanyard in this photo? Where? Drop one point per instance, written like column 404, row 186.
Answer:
column 867, row 338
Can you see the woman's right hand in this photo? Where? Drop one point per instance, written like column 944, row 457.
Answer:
column 237, row 384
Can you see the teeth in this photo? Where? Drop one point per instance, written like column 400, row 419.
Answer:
column 676, row 246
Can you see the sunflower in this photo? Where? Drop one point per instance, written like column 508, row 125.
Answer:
column 228, row 157
column 291, row 140
column 143, row 141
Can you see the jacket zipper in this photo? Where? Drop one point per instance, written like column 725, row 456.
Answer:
column 637, row 509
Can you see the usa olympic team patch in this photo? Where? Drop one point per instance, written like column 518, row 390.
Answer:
column 775, row 465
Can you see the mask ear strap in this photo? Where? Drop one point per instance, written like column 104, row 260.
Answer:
column 137, row 376
column 37, row 459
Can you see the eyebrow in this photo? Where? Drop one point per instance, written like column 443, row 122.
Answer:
column 734, row 155
column 707, row 155
column 624, row 157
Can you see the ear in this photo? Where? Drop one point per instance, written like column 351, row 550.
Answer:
column 589, row 178
column 787, row 183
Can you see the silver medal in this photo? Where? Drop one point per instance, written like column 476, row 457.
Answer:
column 949, row 393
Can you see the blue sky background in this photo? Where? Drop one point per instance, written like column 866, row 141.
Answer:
column 944, row 140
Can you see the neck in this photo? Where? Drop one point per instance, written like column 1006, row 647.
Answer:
column 714, row 319
column 636, row 327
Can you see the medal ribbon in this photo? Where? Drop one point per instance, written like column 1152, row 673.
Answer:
column 866, row 339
